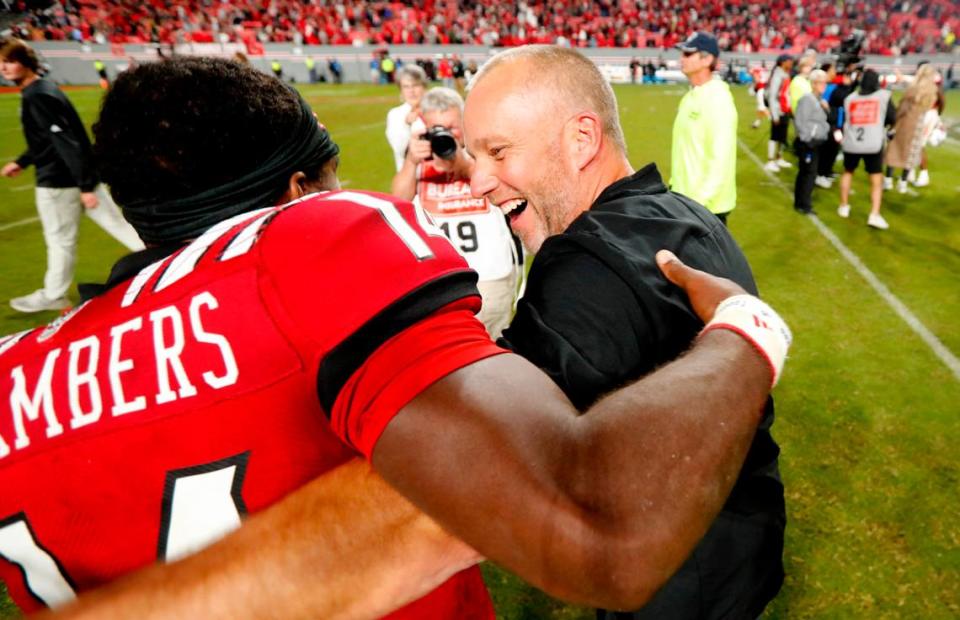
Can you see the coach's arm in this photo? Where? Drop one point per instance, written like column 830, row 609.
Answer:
column 344, row 546
column 601, row 508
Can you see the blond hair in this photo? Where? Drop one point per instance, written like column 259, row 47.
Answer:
column 574, row 78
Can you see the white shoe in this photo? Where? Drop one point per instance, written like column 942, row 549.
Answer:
column 901, row 186
column 923, row 179
column 887, row 184
column 771, row 166
column 755, row 124
column 824, row 182
column 843, row 211
column 783, row 163
column 912, row 175
column 37, row 301
column 877, row 221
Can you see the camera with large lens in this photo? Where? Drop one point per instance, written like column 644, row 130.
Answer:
column 848, row 54
column 442, row 142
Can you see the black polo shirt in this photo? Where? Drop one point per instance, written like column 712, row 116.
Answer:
column 57, row 141
column 598, row 313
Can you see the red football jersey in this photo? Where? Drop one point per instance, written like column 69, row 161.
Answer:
column 143, row 425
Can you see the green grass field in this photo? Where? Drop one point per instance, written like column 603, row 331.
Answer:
column 869, row 417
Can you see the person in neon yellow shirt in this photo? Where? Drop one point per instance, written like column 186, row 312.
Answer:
column 800, row 84
column 704, row 153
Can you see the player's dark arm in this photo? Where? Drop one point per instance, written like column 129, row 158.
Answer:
column 344, row 546
column 600, row 508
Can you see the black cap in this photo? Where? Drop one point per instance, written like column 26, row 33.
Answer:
column 700, row 42
column 782, row 58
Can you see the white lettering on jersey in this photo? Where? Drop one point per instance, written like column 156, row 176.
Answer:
column 171, row 338
column 231, row 372
column 117, row 365
column 138, row 282
column 4, row 447
column 201, row 504
column 88, row 379
column 21, row 405
column 242, row 243
column 202, row 509
column 185, row 262
column 393, row 218
column 168, row 355
column 51, row 330
column 7, row 342
column 42, row 575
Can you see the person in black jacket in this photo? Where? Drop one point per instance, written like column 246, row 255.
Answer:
column 543, row 126
column 67, row 184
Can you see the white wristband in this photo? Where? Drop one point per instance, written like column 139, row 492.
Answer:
column 759, row 324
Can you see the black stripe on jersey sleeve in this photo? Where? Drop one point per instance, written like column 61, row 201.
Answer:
column 344, row 360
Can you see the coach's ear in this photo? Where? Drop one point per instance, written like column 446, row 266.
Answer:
column 586, row 133
column 295, row 188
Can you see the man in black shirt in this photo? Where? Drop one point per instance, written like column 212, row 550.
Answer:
column 57, row 144
column 542, row 124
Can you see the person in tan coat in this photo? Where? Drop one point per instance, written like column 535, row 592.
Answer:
column 906, row 148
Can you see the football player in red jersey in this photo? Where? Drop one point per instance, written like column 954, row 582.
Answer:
column 251, row 349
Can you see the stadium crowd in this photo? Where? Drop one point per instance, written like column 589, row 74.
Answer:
column 892, row 27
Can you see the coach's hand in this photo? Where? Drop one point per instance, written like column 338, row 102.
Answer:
column 704, row 290
column 11, row 170
column 89, row 200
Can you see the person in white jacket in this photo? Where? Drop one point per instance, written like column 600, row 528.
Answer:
column 413, row 83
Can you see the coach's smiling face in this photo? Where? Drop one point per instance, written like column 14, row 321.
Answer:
column 515, row 134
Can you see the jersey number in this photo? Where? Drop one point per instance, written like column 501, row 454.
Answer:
column 394, row 220
column 858, row 134
column 466, row 236
column 200, row 505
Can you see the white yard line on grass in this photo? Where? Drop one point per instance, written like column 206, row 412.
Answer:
column 23, row 222
column 938, row 348
column 21, row 188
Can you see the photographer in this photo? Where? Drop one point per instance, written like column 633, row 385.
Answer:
column 436, row 175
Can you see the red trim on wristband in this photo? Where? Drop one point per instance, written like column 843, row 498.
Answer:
column 748, row 338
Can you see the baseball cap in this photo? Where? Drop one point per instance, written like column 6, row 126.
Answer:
column 783, row 58
column 700, row 42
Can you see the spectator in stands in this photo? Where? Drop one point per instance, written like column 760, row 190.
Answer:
column 891, row 26
column 704, row 152
column 779, row 107
column 812, row 131
column 413, row 83
column 866, row 115
column 906, row 148
column 67, row 183
column 436, row 174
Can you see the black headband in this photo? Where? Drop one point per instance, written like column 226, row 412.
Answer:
column 308, row 148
